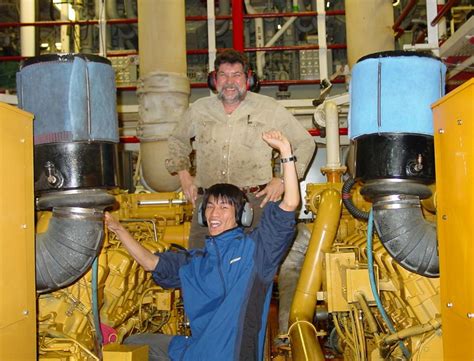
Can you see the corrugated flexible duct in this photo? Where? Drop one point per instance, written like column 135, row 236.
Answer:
column 68, row 247
column 406, row 234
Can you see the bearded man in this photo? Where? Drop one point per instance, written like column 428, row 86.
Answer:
column 227, row 132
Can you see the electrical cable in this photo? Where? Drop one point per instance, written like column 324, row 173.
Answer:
column 370, row 261
column 347, row 200
column 95, row 305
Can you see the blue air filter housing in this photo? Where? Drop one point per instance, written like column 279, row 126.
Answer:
column 73, row 99
column 390, row 119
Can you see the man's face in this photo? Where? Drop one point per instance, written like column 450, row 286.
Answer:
column 231, row 83
column 220, row 215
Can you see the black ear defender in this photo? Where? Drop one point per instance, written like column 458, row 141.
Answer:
column 253, row 83
column 244, row 217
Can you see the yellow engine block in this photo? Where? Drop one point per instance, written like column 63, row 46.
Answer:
column 128, row 299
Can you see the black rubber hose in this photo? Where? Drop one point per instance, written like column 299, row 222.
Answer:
column 347, row 200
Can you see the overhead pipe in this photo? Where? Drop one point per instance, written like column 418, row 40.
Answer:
column 27, row 33
column 259, row 39
column 163, row 89
column 224, row 9
column 237, row 25
column 405, row 12
column 374, row 19
column 47, row 23
column 443, row 11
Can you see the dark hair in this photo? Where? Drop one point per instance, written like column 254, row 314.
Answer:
column 231, row 56
column 228, row 193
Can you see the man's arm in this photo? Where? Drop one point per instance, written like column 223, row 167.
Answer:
column 179, row 149
column 143, row 256
column 278, row 141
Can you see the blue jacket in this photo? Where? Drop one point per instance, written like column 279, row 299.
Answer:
column 227, row 288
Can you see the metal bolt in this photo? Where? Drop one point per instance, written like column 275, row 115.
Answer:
column 25, row 312
column 22, row 140
column 444, row 217
column 23, row 226
column 459, row 121
column 441, row 131
column 449, row 305
column 470, row 315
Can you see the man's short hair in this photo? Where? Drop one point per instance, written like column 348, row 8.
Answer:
column 231, row 56
column 228, row 193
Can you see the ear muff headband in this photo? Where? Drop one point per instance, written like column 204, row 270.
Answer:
column 252, row 81
column 244, row 218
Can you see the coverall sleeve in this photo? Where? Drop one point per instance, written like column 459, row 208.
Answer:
column 273, row 236
column 179, row 144
column 301, row 141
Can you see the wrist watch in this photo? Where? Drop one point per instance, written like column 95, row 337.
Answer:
column 291, row 158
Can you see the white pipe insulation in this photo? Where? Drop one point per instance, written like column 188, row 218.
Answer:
column 368, row 28
column 332, row 135
column 27, row 33
column 163, row 90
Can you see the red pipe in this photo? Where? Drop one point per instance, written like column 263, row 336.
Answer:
column 296, row 47
column 315, row 132
column 13, row 58
column 262, row 83
column 205, row 51
column 299, row 15
column 296, row 82
column 238, row 24
column 57, row 23
column 406, row 10
column 443, row 11
column 188, row 18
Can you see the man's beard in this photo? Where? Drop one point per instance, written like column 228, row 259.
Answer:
column 238, row 96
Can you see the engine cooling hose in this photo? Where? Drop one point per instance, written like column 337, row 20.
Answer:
column 373, row 286
column 347, row 200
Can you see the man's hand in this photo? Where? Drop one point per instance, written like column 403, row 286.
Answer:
column 272, row 191
column 112, row 224
column 188, row 186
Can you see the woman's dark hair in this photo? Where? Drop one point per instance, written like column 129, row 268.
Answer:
column 231, row 56
column 228, row 193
